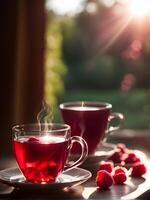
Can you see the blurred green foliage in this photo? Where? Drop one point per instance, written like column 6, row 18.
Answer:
column 103, row 62
column 55, row 69
column 96, row 50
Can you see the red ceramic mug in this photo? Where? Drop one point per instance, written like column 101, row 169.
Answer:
column 91, row 121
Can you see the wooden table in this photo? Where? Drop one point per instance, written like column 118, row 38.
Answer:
column 134, row 187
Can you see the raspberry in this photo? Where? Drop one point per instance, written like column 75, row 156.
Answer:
column 138, row 169
column 120, row 178
column 116, row 157
column 122, row 147
column 131, row 158
column 104, row 179
column 108, row 166
column 33, row 139
column 118, row 170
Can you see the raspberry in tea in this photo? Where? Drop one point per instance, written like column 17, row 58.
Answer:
column 41, row 158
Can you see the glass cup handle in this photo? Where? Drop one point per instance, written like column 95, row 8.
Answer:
column 118, row 116
column 83, row 155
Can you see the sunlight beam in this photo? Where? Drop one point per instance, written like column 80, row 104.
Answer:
column 120, row 26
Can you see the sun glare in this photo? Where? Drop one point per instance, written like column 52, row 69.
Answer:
column 139, row 8
column 69, row 7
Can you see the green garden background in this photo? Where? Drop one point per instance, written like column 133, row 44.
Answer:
column 99, row 54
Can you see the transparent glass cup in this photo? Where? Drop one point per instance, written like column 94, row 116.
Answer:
column 43, row 155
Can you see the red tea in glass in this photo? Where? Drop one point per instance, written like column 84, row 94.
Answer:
column 89, row 120
column 42, row 156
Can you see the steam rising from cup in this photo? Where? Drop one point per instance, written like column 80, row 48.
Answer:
column 44, row 118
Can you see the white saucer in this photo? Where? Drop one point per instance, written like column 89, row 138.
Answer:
column 13, row 177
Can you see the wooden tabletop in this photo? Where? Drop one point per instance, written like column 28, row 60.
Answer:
column 135, row 188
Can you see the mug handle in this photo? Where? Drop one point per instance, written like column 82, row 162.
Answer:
column 84, row 153
column 118, row 116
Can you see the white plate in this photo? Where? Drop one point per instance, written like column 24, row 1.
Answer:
column 13, row 177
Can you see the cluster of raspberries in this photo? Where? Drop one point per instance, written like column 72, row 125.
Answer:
column 108, row 175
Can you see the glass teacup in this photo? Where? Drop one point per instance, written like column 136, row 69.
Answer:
column 42, row 156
